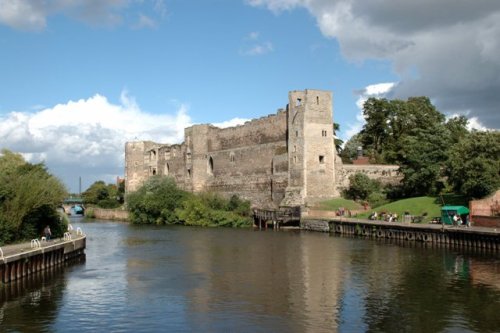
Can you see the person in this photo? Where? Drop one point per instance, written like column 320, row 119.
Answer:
column 455, row 219
column 47, row 232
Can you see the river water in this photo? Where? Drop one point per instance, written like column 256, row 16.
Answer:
column 178, row 279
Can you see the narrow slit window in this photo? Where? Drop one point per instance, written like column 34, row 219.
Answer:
column 321, row 159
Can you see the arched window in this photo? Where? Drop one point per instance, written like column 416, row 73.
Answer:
column 166, row 169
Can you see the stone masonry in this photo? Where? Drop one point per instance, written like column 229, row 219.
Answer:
column 284, row 159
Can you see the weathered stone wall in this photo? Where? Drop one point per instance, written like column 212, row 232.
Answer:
column 136, row 163
column 487, row 206
column 386, row 174
column 285, row 159
column 110, row 214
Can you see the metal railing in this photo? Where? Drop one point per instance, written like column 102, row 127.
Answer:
column 35, row 243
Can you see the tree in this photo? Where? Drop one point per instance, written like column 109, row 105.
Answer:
column 412, row 134
column 350, row 151
column 102, row 195
column 29, row 196
column 156, row 201
column 473, row 168
column 336, row 141
column 361, row 186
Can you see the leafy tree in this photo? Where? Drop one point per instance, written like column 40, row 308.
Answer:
column 361, row 187
column 156, row 201
column 29, row 196
column 159, row 201
column 412, row 134
column 473, row 168
column 102, row 194
column 337, row 142
column 350, row 151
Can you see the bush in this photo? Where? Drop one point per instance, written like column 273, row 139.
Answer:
column 361, row 186
column 159, row 201
column 156, row 202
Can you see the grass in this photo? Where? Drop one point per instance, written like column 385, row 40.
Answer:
column 334, row 204
column 419, row 206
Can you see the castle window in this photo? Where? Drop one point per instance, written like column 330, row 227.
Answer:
column 166, row 170
column 210, row 168
column 189, row 172
column 231, row 157
column 294, row 148
column 321, row 159
column 324, row 133
column 317, row 100
column 152, row 171
column 296, row 133
column 298, row 102
column 152, row 155
column 295, row 159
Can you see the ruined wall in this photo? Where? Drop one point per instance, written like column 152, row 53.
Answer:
column 137, row 164
column 386, row 174
column 486, row 207
column 239, row 160
column 287, row 158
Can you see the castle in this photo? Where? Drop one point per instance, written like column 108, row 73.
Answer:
column 284, row 159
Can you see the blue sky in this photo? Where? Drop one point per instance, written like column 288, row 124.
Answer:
column 79, row 78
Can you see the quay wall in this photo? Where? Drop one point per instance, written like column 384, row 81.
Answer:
column 482, row 238
column 23, row 263
column 110, row 214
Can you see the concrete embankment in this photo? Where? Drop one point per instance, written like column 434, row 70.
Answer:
column 108, row 214
column 475, row 237
column 20, row 260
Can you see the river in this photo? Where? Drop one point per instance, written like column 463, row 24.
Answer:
column 188, row 279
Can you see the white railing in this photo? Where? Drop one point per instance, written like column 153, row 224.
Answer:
column 43, row 239
column 35, row 243
column 70, row 227
column 67, row 236
column 79, row 231
column 1, row 254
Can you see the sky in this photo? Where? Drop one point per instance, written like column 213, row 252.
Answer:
column 79, row 78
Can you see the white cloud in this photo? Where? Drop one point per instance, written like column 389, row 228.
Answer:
column 33, row 14
column 145, row 21
column 379, row 90
column 253, row 46
column 231, row 123
column 88, row 135
column 447, row 50
column 22, row 15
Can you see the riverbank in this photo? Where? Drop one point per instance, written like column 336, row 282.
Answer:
column 474, row 237
column 23, row 259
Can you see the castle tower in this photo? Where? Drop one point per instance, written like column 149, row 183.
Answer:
column 141, row 158
column 311, row 150
column 199, row 163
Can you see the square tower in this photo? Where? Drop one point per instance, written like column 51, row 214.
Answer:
column 311, row 149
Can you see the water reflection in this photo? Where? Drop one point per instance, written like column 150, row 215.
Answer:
column 213, row 280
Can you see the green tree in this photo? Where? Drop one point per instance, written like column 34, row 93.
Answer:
column 412, row 134
column 336, row 141
column 29, row 196
column 361, row 186
column 473, row 168
column 102, row 194
column 156, row 201
column 350, row 151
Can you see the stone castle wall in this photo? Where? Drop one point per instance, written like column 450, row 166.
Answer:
column 284, row 159
column 386, row 174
